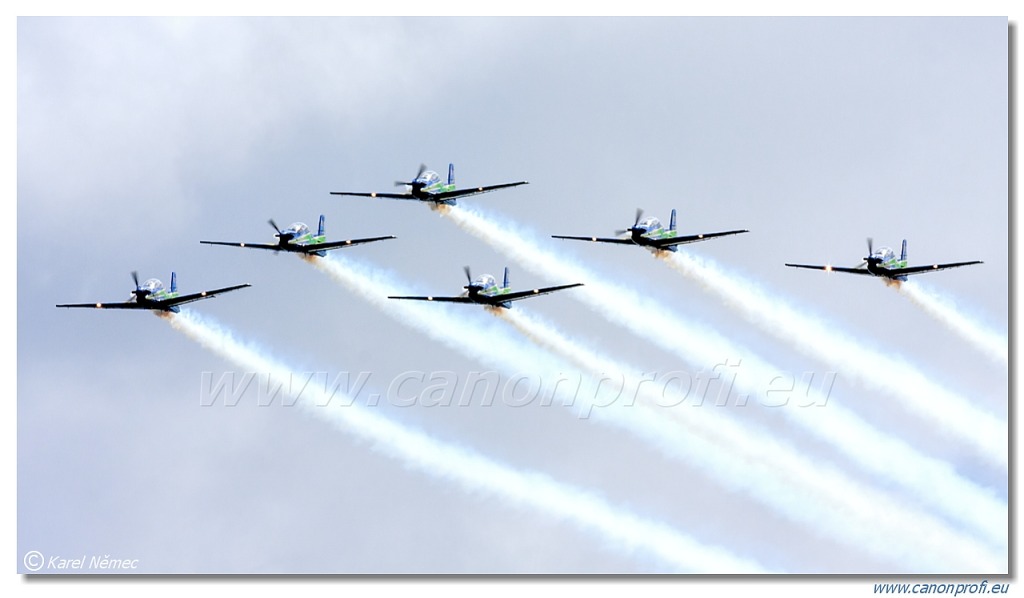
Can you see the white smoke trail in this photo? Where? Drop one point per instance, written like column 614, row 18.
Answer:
column 711, row 448
column 475, row 472
column 990, row 342
column 933, row 482
column 833, row 503
column 887, row 373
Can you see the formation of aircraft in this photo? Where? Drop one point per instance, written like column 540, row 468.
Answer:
column 484, row 290
column 428, row 186
column 651, row 234
column 883, row 263
column 297, row 239
column 152, row 295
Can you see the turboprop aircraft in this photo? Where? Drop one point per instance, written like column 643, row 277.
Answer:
column 428, row 186
column 651, row 234
column 883, row 263
column 484, row 290
column 297, row 239
column 152, row 295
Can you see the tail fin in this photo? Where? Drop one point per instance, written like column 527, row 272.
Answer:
column 903, row 254
column 174, row 282
column 505, row 283
column 320, row 231
column 672, row 220
column 451, row 174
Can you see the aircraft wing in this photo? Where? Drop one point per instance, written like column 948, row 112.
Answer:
column 596, row 239
column 126, row 305
column 386, row 195
column 833, row 269
column 933, row 268
column 315, row 247
column 474, row 191
column 692, row 238
column 182, row 299
column 165, row 304
column 274, row 247
column 442, row 299
column 516, row 296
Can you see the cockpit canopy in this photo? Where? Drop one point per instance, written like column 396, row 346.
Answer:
column 152, row 285
column 885, row 254
column 428, row 178
column 650, row 224
column 297, row 229
column 485, row 281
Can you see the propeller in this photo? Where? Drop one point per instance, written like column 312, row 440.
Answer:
column 138, row 293
column 283, row 237
column 636, row 221
column 423, row 168
column 871, row 252
column 469, row 282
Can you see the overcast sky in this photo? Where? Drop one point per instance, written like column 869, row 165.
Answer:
column 139, row 137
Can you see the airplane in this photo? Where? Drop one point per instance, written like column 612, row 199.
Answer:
column 883, row 263
column 427, row 186
column 297, row 239
column 650, row 233
column 484, row 290
column 152, row 295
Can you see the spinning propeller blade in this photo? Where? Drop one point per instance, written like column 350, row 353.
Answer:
column 138, row 292
column 423, row 168
column 469, row 282
column 636, row 221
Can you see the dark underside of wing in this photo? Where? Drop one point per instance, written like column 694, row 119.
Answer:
column 833, row 269
column 385, row 195
column 106, row 305
column 693, row 238
column 247, row 245
column 932, row 268
column 313, row 248
column 596, row 239
column 151, row 304
column 167, row 303
column 517, row 295
column 473, row 191
column 441, row 299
